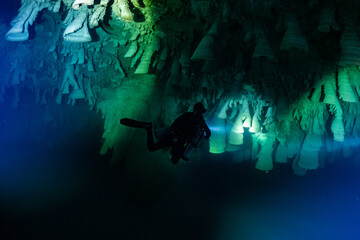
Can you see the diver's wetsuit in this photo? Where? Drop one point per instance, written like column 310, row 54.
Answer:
column 188, row 128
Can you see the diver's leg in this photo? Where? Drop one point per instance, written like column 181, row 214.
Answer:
column 134, row 123
column 166, row 142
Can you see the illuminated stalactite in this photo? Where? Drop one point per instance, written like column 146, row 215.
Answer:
column 77, row 30
column 27, row 15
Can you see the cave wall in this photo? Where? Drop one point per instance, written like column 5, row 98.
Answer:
column 286, row 74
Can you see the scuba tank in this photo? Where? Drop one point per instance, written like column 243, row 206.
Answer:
column 189, row 149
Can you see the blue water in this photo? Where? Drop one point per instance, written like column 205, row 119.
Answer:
column 53, row 181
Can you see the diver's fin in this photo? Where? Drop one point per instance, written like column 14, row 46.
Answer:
column 135, row 124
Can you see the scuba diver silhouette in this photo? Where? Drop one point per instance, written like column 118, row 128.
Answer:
column 183, row 135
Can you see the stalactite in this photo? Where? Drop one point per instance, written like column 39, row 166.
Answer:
column 281, row 153
column 77, row 3
column 27, row 15
column 68, row 80
column 145, row 61
column 349, row 46
column 204, row 49
column 265, row 160
column 78, row 31
column 122, row 10
column 346, row 92
column 236, row 134
column 133, row 48
column 263, row 48
column 255, row 123
column 223, row 110
column 293, row 37
column 327, row 20
column 218, row 137
column 97, row 15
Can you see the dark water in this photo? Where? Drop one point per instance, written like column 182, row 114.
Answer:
column 53, row 183
column 9, row 9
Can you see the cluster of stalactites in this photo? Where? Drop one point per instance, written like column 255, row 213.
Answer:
column 293, row 133
column 239, row 113
column 79, row 17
